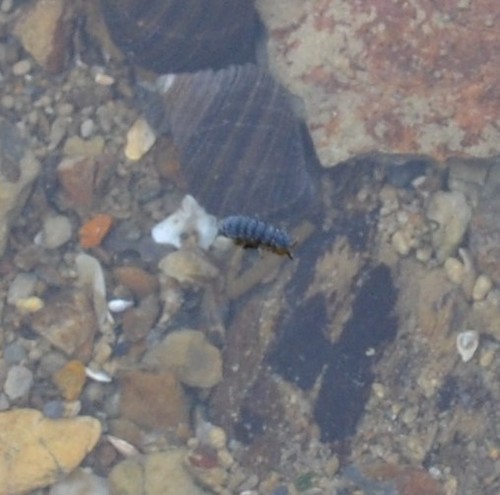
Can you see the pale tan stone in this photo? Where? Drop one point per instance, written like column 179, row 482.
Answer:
column 36, row 451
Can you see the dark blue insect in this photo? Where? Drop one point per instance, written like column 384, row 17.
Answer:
column 251, row 232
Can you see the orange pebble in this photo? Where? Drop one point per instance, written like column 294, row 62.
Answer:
column 70, row 379
column 93, row 232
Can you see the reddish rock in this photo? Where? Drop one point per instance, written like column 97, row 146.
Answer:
column 406, row 479
column 83, row 177
column 406, row 77
column 153, row 400
column 76, row 176
column 138, row 281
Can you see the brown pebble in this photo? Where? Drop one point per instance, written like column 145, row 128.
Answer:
column 153, row 400
column 137, row 280
column 70, row 379
column 138, row 321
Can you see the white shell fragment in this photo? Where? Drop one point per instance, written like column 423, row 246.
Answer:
column 189, row 218
column 467, row 344
column 119, row 305
column 122, row 446
column 97, row 376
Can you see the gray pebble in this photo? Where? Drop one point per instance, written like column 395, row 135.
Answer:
column 21, row 68
column 14, row 353
column 18, row 383
column 53, row 409
column 87, row 128
column 56, row 231
column 21, row 287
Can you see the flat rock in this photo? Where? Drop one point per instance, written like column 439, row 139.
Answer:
column 153, row 400
column 68, row 322
column 36, row 451
column 190, row 356
column 397, row 77
column 160, row 473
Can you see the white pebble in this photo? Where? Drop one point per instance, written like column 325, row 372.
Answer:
column 467, row 344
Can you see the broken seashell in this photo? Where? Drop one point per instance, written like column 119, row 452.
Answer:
column 97, row 376
column 122, row 446
column 189, row 218
column 467, row 344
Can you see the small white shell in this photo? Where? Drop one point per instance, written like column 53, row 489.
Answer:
column 119, row 305
column 122, row 446
column 190, row 217
column 98, row 376
column 467, row 344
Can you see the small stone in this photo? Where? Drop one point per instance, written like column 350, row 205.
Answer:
column 153, row 400
column 140, row 139
column 486, row 358
column 400, row 243
column 217, row 438
column 18, row 383
column 21, row 68
column 78, row 147
column 70, row 379
column 68, row 322
column 29, row 304
column 452, row 214
column 80, row 482
column 188, row 267
column 14, row 353
column 21, row 287
column 455, row 270
column 195, row 361
column 481, row 288
column 87, row 128
column 139, row 320
column 56, row 231
column 104, row 79
column 76, row 176
column 34, row 450
column 164, row 466
column 127, row 477
column 137, row 280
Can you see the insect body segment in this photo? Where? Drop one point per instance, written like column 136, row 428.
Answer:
column 254, row 233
